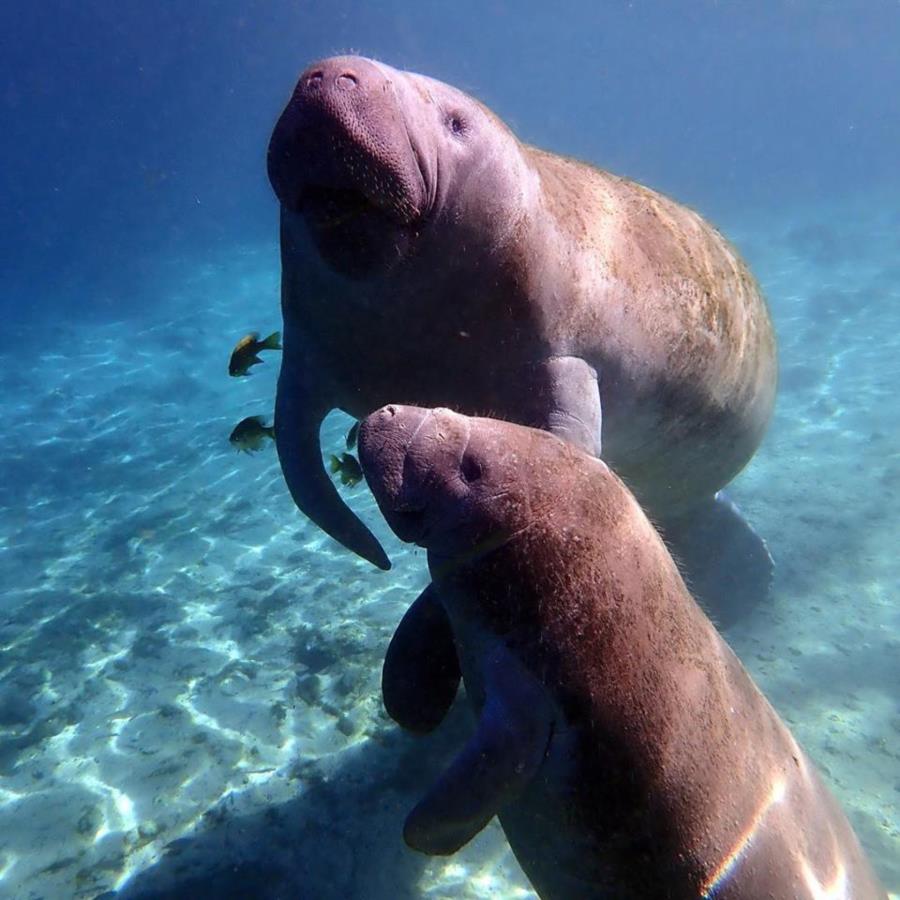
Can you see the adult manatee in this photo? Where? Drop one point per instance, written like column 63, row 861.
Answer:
column 430, row 257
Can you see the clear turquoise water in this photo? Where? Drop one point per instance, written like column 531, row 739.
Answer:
column 189, row 672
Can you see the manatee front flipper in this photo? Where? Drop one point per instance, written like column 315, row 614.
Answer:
column 725, row 563
column 421, row 673
column 500, row 759
column 299, row 411
column 563, row 396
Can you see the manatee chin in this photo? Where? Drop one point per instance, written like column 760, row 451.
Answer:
column 354, row 238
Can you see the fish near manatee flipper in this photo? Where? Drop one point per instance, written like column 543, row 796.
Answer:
column 245, row 352
column 346, row 468
column 621, row 743
column 431, row 257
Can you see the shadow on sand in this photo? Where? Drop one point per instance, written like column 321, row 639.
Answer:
column 340, row 838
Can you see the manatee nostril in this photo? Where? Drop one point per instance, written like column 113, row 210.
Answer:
column 346, row 80
column 390, row 411
column 470, row 469
column 315, row 78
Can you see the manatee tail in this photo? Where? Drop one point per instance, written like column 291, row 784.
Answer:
column 726, row 564
column 298, row 415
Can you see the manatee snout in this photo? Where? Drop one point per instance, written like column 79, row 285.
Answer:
column 340, row 148
column 411, row 459
column 383, row 441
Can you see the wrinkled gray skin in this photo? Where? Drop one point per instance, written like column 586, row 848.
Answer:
column 624, row 748
column 430, row 257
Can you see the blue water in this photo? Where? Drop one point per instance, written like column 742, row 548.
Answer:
column 189, row 671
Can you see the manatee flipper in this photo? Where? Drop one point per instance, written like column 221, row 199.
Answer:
column 299, row 411
column 563, row 393
column 725, row 563
column 421, row 674
column 500, row 759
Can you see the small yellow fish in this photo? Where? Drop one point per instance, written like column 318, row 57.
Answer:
column 348, row 467
column 250, row 434
column 244, row 354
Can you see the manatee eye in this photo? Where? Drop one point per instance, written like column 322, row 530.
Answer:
column 470, row 469
column 457, row 124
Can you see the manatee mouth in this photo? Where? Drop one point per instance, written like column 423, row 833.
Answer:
column 354, row 235
column 332, row 175
column 327, row 208
column 360, row 223
column 409, row 525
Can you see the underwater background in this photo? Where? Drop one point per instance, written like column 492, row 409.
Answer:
column 189, row 671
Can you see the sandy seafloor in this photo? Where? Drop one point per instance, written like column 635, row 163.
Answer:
column 189, row 678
